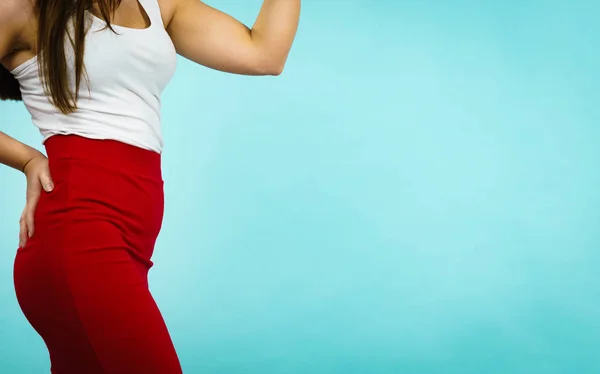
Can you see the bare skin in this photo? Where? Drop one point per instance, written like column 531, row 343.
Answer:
column 199, row 32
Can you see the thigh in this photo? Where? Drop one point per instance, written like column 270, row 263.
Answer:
column 93, row 309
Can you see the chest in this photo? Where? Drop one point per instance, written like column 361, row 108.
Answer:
column 132, row 14
column 131, row 56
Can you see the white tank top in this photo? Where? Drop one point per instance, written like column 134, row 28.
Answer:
column 127, row 73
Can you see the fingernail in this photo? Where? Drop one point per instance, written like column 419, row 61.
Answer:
column 49, row 187
column 29, row 234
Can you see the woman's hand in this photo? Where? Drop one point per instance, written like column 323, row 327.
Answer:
column 38, row 177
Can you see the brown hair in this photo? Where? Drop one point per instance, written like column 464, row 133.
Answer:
column 53, row 17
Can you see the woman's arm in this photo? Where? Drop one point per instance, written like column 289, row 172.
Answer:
column 12, row 152
column 34, row 165
column 214, row 39
column 15, row 154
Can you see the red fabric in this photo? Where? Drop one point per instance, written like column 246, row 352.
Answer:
column 82, row 279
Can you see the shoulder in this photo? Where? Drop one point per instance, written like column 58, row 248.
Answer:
column 16, row 13
column 168, row 8
column 16, row 18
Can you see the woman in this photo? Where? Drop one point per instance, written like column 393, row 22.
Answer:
column 91, row 73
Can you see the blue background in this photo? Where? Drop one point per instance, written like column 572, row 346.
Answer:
column 417, row 193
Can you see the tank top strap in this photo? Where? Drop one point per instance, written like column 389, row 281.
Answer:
column 153, row 10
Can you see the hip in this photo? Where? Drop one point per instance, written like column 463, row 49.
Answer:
column 101, row 180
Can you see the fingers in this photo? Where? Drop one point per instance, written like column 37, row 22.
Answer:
column 46, row 182
column 26, row 223
column 38, row 178
column 33, row 196
column 30, row 209
column 22, row 230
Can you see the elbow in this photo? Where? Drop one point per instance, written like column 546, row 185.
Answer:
column 271, row 69
column 276, row 70
column 272, row 66
column 270, row 60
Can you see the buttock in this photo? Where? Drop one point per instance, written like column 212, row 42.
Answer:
column 82, row 279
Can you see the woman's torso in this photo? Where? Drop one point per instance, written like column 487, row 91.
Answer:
column 128, row 15
column 126, row 74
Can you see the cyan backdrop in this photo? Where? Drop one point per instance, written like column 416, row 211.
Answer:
column 417, row 193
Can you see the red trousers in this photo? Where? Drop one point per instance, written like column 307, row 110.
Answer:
column 82, row 279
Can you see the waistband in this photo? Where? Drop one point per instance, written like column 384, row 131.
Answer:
column 107, row 152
